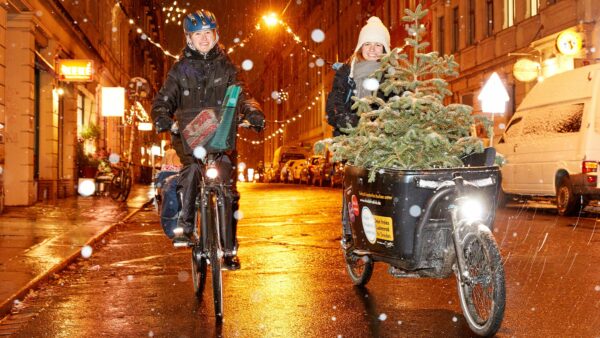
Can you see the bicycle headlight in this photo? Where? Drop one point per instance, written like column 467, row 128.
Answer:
column 471, row 209
column 212, row 173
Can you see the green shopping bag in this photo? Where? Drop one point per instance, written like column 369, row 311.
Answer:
column 222, row 140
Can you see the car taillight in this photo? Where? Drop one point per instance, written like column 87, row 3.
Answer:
column 590, row 167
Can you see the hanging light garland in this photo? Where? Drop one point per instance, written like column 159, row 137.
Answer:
column 283, row 123
column 174, row 13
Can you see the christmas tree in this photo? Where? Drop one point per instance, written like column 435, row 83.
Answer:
column 412, row 128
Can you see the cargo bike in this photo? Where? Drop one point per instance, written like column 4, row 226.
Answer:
column 429, row 223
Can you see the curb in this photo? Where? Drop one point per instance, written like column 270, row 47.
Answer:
column 6, row 306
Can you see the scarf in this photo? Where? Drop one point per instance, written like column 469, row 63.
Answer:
column 362, row 71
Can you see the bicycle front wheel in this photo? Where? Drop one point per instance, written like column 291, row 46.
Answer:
column 481, row 287
column 215, row 255
column 199, row 266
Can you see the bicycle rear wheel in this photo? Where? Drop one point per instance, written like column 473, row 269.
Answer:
column 115, row 186
column 126, row 185
column 482, row 291
column 215, row 254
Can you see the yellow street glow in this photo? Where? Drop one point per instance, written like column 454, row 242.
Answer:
column 271, row 19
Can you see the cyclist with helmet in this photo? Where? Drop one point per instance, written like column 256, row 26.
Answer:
column 196, row 82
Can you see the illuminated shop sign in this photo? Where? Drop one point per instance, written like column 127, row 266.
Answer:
column 75, row 70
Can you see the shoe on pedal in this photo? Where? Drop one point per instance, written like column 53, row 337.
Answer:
column 182, row 238
column 231, row 263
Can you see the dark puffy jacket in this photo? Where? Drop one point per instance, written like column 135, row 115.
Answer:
column 197, row 82
column 339, row 101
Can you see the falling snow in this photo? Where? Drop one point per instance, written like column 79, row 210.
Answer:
column 86, row 251
column 415, row 211
column 317, row 35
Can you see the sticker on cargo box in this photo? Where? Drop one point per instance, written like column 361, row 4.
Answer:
column 368, row 223
column 384, row 228
column 355, row 205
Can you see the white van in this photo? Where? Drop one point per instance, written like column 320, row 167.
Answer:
column 552, row 143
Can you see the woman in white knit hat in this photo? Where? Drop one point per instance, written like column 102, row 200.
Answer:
column 373, row 42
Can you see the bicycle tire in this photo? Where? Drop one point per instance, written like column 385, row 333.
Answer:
column 360, row 268
column 115, row 186
column 126, row 186
column 214, row 255
column 483, row 294
column 199, row 261
column 199, row 269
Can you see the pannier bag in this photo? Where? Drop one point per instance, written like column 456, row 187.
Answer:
column 170, row 205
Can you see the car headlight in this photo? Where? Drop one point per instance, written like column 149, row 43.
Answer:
column 471, row 209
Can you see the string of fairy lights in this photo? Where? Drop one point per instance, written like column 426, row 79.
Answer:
column 279, row 131
column 174, row 15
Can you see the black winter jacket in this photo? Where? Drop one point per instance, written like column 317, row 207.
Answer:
column 197, row 82
column 339, row 101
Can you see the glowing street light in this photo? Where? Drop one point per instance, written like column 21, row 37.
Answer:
column 270, row 19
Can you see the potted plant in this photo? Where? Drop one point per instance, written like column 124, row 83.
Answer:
column 87, row 166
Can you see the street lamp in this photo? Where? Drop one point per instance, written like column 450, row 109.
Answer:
column 270, row 19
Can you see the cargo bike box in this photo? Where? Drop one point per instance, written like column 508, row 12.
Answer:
column 428, row 223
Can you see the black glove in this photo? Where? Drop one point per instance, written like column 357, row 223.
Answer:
column 257, row 120
column 163, row 123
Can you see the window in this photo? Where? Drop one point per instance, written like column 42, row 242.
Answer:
column 560, row 119
column 489, row 11
column 532, row 8
column 471, row 32
column 509, row 13
column 441, row 34
column 455, row 29
column 513, row 129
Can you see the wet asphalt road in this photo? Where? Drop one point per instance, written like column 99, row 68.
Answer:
column 293, row 282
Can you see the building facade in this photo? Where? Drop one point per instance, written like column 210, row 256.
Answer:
column 485, row 36
column 43, row 111
column 521, row 40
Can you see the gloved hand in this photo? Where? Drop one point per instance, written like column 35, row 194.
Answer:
column 257, row 120
column 163, row 123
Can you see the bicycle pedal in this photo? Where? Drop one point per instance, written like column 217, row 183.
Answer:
column 182, row 244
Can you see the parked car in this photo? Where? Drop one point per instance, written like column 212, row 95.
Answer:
column 285, row 175
column 296, row 169
column 329, row 173
column 337, row 175
column 551, row 145
column 282, row 155
column 311, row 170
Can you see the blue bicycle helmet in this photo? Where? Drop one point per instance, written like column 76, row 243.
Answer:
column 199, row 20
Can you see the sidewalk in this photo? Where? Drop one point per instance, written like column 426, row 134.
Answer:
column 38, row 241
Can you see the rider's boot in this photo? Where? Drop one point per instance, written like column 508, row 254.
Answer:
column 231, row 260
column 187, row 189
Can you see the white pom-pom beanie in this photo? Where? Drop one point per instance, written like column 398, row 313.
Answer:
column 374, row 31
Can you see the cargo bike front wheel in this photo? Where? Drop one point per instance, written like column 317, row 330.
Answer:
column 480, row 281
